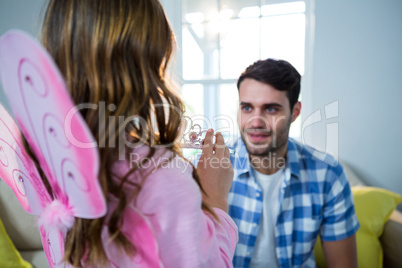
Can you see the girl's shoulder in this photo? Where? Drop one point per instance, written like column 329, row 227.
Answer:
column 165, row 178
column 152, row 163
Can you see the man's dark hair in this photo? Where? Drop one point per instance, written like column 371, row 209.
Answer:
column 280, row 74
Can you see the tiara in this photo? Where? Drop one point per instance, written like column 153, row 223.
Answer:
column 195, row 135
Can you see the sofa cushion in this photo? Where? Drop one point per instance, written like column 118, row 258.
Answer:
column 9, row 255
column 373, row 208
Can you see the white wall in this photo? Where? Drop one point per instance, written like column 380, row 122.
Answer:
column 357, row 61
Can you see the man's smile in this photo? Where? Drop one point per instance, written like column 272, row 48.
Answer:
column 257, row 135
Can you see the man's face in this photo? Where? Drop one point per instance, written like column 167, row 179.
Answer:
column 264, row 117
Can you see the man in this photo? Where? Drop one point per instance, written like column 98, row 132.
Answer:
column 283, row 196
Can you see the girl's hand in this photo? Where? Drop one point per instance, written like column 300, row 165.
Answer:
column 215, row 171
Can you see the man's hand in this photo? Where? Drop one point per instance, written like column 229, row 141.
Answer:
column 215, row 171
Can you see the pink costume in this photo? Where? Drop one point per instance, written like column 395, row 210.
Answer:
column 165, row 221
column 170, row 201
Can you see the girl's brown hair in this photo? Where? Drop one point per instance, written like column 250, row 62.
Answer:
column 115, row 53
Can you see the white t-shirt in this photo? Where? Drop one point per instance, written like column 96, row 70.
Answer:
column 264, row 251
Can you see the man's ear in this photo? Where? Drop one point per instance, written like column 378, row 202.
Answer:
column 296, row 111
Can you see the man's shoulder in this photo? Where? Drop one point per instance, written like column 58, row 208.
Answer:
column 314, row 166
column 298, row 151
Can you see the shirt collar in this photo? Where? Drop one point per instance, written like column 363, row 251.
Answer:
column 293, row 158
column 241, row 161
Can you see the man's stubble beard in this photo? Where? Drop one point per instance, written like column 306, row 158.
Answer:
column 278, row 141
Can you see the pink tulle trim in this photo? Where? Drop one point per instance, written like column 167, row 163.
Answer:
column 57, row 215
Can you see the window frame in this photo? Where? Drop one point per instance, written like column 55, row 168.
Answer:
column 173, row 9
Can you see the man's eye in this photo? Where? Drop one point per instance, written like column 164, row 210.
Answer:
column 246, row 108
column 271, row 109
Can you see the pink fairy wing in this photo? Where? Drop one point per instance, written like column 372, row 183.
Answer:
column 52, row 125
column 19, row 172
column 53, row 245
column 17, row 169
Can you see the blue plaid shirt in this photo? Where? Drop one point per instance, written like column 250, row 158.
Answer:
column 315, row 198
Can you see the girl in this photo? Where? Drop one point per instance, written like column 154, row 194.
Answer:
column 116, row 53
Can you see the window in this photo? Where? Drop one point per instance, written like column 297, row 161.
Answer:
column 218, row 39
